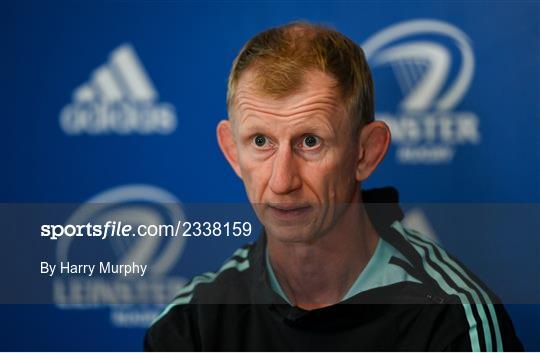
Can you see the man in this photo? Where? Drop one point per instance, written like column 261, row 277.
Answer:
column 301, row 135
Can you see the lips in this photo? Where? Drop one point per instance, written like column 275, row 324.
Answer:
column 288, row 211
column 287, row 207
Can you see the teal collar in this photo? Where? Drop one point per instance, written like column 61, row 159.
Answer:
column 274, row 283
column 377, row 273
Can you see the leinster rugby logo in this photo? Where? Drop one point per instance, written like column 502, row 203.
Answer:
column 433, row 64
column 141, row 294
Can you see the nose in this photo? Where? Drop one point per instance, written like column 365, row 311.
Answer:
column 285, row 177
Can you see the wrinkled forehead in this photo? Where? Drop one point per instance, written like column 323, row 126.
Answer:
column 316, row 91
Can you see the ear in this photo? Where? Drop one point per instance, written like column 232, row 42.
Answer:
column 227, row 144
column 374, row 139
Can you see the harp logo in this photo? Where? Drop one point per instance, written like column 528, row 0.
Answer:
column 433, row 65
column 119, row 98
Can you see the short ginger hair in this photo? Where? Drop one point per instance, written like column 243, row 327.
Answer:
column 280, row 57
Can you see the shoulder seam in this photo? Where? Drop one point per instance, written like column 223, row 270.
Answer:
column 185, row 294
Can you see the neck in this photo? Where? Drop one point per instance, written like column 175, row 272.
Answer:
column 319, row 273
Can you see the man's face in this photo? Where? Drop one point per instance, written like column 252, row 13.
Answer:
column 296, row 156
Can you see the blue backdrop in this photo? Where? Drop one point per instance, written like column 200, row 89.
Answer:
column 102, row 99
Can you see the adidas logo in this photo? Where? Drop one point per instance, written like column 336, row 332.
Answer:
column 120, row 99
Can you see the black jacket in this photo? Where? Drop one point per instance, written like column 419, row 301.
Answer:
column 441, row 306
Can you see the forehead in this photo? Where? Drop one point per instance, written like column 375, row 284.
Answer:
column 317, row 93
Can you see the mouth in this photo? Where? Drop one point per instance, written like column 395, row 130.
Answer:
column 288, row 212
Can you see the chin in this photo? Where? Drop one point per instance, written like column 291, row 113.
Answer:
column 291, row 233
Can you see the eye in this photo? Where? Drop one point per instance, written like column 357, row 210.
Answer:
column 310, row 141
column 260, row 140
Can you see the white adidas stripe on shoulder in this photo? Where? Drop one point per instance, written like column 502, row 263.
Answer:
column 457, row 273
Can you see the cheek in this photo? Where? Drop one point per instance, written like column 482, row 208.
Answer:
column 320, row 178
column 346, row 179
column 254, row 174
column 333, row 179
